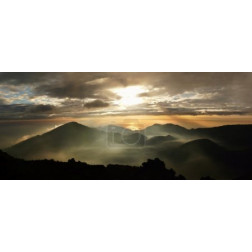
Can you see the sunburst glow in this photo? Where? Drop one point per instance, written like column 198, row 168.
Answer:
column 129, row 95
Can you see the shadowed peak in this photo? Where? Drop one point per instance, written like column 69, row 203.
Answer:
column 202, row 145
column 73, row 125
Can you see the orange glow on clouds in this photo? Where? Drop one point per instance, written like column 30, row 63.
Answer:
column 136, row 122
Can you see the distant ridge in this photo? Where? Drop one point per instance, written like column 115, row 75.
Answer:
column 116, row 129
column 229, row 135
column 205, row 145
column 235, row 136
column 202, row 150
column 159, row 140
column 164, row 129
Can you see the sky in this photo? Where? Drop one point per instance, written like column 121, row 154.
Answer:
column 134, row 100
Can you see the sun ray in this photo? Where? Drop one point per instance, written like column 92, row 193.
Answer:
column 129, row 96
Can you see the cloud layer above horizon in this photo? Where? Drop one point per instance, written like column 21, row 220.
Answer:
column 56, row 95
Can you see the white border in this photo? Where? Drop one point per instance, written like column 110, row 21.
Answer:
column 125, row 36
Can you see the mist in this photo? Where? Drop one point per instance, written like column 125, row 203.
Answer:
column 117, row 145
column 194, row 153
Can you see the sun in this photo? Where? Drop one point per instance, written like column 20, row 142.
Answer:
column 129, row 95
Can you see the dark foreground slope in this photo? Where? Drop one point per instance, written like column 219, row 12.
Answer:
column 13, row 168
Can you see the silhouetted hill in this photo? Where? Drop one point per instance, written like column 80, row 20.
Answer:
column 116, row 129
column 62, row 139
column 72, row 137
column 222, row 152
column 201, row 146
column 203, row 157
column 237, row 136
column 12, row 168
column 159, row 140
column 161, row 130
column 233, row 136
column 198, row 149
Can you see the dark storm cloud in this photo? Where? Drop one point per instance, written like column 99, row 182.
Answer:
column 60, row 85
column 96, row 104
column 25, row 78
column 25, row 111
column 68, row 89
column 72, row 85
column 42, row 108
column 65, row 85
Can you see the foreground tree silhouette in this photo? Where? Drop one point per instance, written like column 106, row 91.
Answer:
column 71, row 161
column 155, row 169
column 12, row 168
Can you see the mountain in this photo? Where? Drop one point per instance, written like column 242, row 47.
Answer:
column 221, row 152
column 231, row 136
column 197, row 150
column 203, row 157
column 116, row 129
column 201, row 146
column 159, row 140
column 235, row 136
column 163, row 130
column 62, row 139
column 72, row 139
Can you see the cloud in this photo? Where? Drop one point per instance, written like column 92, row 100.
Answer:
column 96, row 104
column 29, row 95
column 2, row 101
column 73, row 85
column 42, row 108
column 25, row 111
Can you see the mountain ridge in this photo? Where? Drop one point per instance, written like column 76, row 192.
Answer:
column 91, row 144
